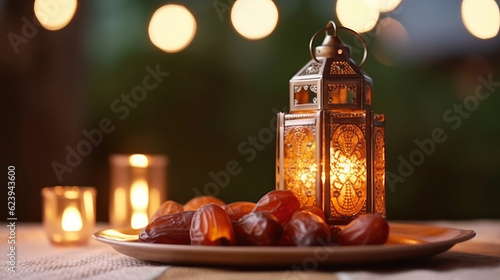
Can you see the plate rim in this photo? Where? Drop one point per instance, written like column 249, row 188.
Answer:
column 384, row 252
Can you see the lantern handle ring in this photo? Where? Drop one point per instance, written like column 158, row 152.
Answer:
column 331, row 26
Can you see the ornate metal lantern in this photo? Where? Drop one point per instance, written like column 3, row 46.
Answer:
column 331, row 146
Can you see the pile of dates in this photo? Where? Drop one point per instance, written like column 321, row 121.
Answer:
column 275, row 220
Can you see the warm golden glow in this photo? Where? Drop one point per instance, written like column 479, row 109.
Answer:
column 379, row 167
column 139, row 198
column 120, row 200
column 385, row 6
column 347, row 171
column 359, row 15
column 71, row 219
column 154, row 201
column 139, row 195
column 88, row 200
column 139, row 160
column 481, row 18
column 254, row 19
column 300, row 164
column 54, row 14
column 139, row 220
column 72, row 193
column 172, row 28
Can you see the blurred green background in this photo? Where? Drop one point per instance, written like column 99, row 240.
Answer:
column 223, row 89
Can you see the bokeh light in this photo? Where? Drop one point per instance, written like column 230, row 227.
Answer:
column 481, row 18
column 54, row 15
column 385, row 6
column 359, row 15
column 392, row 41
column 254, row 19
column 172, row 28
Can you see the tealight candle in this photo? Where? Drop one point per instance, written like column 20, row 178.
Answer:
column 138, row 187
column 69, row 214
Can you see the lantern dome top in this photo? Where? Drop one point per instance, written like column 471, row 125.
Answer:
column 331, row 79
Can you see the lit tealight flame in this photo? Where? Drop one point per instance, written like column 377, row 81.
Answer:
column 481, row 18
column 71, row 219
column 254, row 19
column 139, row 195
column 172, row 28
column 54, row 15
column 138, row 160
column 359, row 15
column 139, row 220
column 139, row 198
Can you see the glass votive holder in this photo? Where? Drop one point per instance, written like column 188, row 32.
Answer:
column 138, row 187
column 69, row 214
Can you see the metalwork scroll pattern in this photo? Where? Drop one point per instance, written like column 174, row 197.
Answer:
column 347, row 171
column 299, row 172
column 380, row 170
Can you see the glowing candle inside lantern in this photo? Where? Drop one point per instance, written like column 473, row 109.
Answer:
column 69, row 214
column 137, row 188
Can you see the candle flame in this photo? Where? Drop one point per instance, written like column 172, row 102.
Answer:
column 71, row 219
column 139, row 195
column 139, row 198
column 139, row 220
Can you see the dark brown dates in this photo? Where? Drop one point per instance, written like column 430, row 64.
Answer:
column 168, row 229
column 258, row 229
column 306, row 229
column 281, row 203
column 365, row 230
column 211, row 226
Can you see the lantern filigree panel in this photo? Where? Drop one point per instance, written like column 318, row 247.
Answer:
column 300, row 163
column 347, row 170
column 379, row 164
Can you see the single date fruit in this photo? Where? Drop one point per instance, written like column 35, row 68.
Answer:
column 365, row 230
column 211, row 226
column 168, row 207
column 168, row 229
column 238, row 209
column 258, row 229
column 313, row 210
column 197, row 202
column 306, row 229
column 281, row 203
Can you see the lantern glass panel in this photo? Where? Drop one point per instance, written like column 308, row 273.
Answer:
column 341, row 93
column 300, row 163
column 347, row 170
column 368, row 94
column 305, row 94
